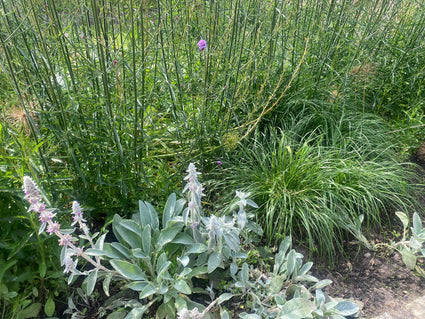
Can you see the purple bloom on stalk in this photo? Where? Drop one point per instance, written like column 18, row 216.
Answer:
column 202, row 44
column 219, row 163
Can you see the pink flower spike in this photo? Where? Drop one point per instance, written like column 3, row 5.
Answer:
column 46, row 216
column 53, row 228
column 65, row 240
column 77, row 213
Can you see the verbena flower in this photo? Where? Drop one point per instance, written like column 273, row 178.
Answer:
column 202, row 44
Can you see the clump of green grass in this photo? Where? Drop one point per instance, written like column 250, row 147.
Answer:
column 316, row 186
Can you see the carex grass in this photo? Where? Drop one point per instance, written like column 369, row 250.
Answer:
column 320, row 187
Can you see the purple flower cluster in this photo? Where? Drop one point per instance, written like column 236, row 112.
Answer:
column 202, row 44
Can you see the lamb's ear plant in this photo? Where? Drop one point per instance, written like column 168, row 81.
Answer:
column 158, row 259
column 290, row 291
column 413, row 248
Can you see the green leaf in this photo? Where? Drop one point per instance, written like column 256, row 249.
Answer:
column 404, row 219
column 49, row 307
column 106, row 283
column 184, row 260
column 224, row 297
column 306, row 278
column 42, row 268
column 99, row 252
column 31, row 311
column 148, row 290
column 136, row 313
column 128, row 270
column 168, row 209
column 232, row 241
column 347, row 308
column 162, row 264
column 214, row 261
column 296, row 308
column 276, row 284
column 137, row 285
column 408, row 258
column 417, row 223
column 197, row 248
column 244, row 273
column 119, row 249
column 168, row 234
column 182, row 287
column 130, row 231
column 100, row 242
column 91, row 281
column 145, row 217
column 414, row 244
column 148, row 215
column 305, row 268
column 284, row 246
column 197, row 271
column 292, row 261
column 321, row 284
column 146, row 239
column 117, row 219
column 119, row 314
column 184, row 239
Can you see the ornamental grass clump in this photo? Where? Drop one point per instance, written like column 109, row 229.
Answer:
column 320, row 190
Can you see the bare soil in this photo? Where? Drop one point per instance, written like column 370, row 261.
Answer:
column 377, row 280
